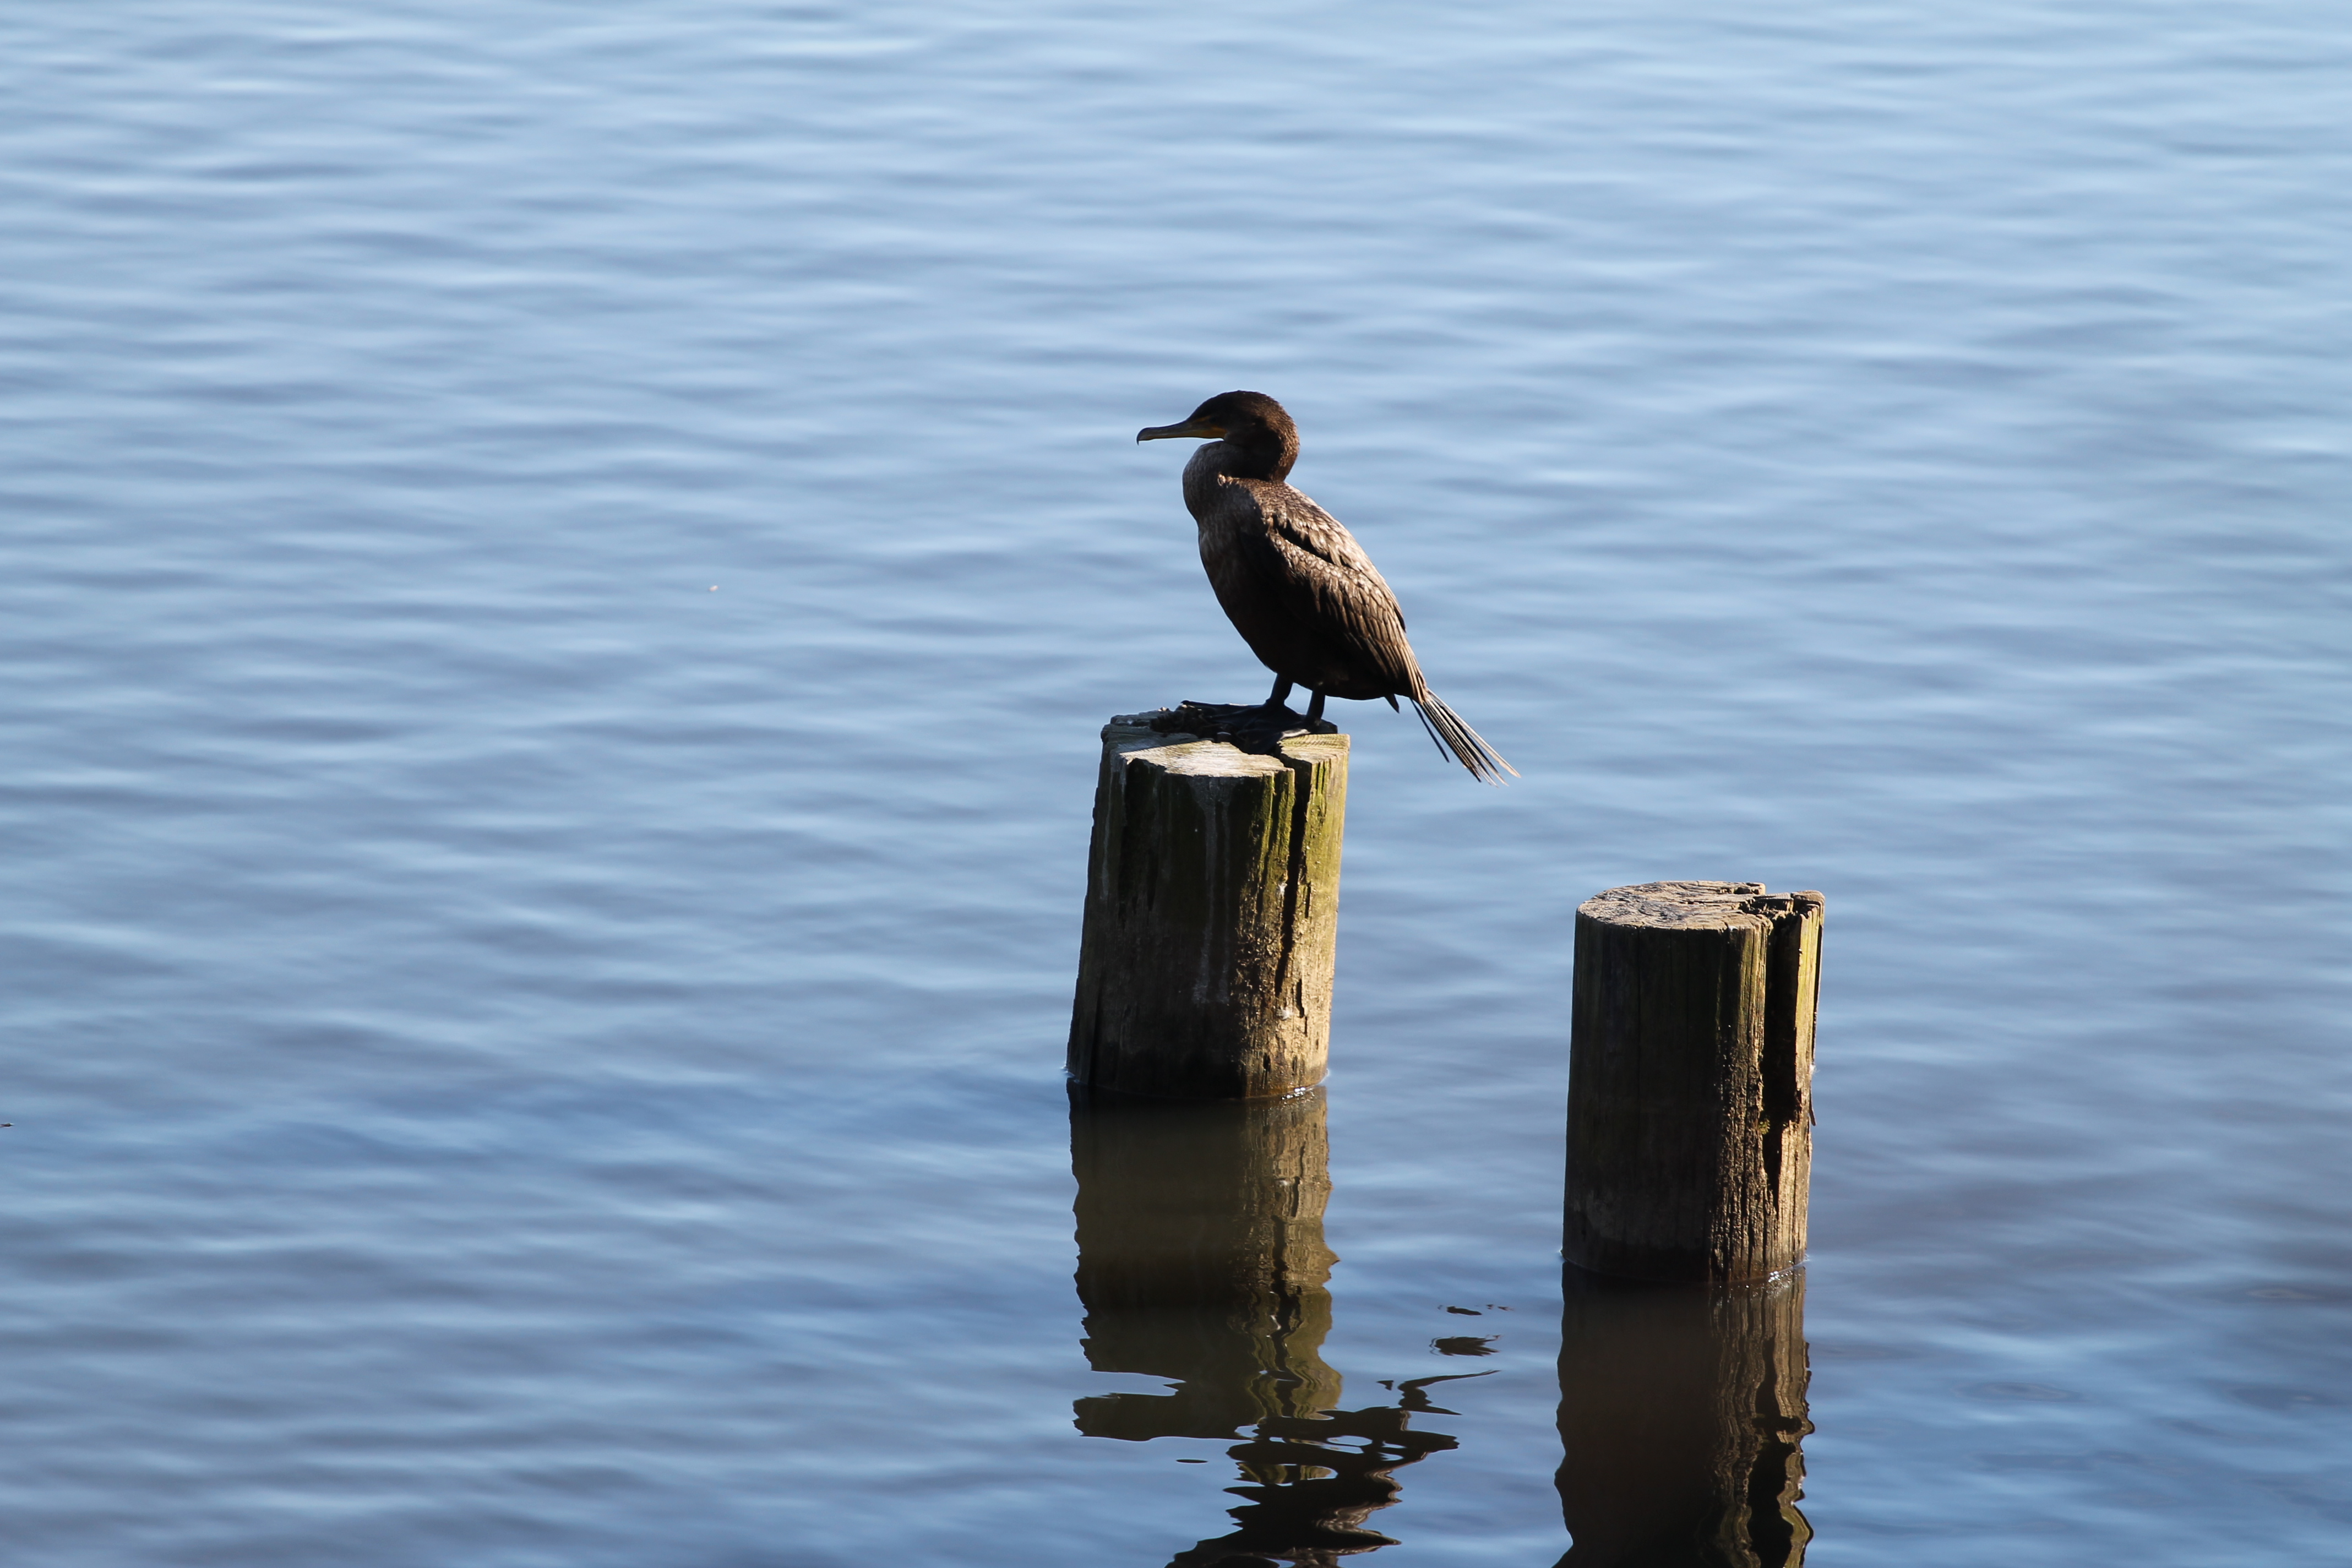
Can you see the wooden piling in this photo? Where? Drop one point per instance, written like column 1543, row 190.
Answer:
column 1212, row 916
column 1690, row 1081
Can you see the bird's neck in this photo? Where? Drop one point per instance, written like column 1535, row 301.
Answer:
column 1259, row 453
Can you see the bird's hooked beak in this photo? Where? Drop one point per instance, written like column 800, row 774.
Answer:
column 1199, row 429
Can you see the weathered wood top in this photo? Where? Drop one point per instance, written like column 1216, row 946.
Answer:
column 1689, row 906
column 1132, row 734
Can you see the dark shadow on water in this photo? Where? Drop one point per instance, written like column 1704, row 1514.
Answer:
column 1681, row 1410
column 1200, row 1260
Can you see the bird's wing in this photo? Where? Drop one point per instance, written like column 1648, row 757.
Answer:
column 1328, row 583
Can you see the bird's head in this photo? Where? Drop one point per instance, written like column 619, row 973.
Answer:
column 1264, row 441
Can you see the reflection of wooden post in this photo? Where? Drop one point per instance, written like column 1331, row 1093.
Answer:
column 1680, row 1411
column 1311, row 1483
column 1212, row 894
column 1690, row 1081
column 1201, row 1259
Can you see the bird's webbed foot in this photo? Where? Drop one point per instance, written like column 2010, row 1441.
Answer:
column 1264, row 728
column 1259, row 727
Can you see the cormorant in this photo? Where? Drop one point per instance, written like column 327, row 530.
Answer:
column 1295, row 583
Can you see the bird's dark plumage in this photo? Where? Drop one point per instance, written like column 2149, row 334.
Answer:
column 1295, row 583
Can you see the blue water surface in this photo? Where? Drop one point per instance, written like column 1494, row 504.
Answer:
column 562, row 566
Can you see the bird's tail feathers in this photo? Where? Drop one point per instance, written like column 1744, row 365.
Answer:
column 1467, row 745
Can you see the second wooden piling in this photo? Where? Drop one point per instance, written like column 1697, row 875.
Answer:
column 1690, row 1081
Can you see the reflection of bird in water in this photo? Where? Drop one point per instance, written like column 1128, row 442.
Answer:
column 1295, row 583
